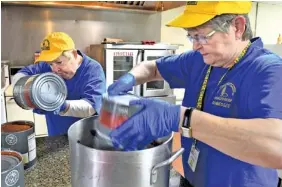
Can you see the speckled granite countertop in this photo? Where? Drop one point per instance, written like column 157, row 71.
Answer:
column 52, row 168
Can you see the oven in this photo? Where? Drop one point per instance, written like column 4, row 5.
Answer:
column 117, row 60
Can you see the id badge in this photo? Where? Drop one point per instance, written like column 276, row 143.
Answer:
column 193, row 157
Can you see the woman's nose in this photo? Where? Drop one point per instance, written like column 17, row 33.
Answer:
column 55, row 69
column 196, row 45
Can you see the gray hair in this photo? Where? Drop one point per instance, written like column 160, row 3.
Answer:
column 68, row 54
column 221, row 23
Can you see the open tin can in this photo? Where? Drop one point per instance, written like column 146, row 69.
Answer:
column 116, row 109
column 12, row 171
column 20, row 136
column 46, row 91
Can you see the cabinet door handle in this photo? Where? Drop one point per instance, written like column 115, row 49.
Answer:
column 11, row 99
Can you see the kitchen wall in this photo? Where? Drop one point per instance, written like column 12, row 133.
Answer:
column 265, row 18
column 269, row 21
column 24, row 27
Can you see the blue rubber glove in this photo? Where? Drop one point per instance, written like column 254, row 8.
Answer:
column 39, row 111
column 56, row 111
column 60, row 109
column 156, row 119
column 122, row 85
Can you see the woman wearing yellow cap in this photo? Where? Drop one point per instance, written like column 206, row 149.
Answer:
column 230, row 118
column 84, row 78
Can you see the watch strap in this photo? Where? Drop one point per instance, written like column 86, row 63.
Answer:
column 186, row 130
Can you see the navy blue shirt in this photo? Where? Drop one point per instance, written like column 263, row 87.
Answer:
column 252, row 89
column 88, row 83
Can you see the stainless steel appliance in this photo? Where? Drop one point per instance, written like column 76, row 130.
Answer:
column 118, row 59
column 13, row 70
column 104, row 168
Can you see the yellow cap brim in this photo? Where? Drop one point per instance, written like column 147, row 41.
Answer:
column 47, row 56
column 186, row 20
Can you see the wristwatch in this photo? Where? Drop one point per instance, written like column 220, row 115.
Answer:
column 185, row 129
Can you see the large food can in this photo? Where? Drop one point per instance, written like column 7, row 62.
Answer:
column 12, row 171
column 46, row 91
column 117, row 109
column 20, row 136
column 114, row 111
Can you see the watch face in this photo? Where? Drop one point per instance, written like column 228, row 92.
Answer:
column 187, row 115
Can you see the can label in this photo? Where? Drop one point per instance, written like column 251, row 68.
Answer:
column 12, row 178
column 27, row 92
column 25, row 158
column 111, row 120
column 11, row 139
column 31, row 147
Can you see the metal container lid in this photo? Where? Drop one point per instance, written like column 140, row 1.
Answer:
column 48, row 91
column 8, row 162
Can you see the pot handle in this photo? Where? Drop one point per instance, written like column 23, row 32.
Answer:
column 154, row 172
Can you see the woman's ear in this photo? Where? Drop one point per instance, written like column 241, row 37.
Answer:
column 74, row 52
column 240, row 27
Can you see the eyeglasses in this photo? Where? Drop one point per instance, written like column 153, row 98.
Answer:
column 200, row 38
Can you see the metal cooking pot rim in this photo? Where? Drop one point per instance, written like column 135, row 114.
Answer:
column 123, row 152
column 73, row 139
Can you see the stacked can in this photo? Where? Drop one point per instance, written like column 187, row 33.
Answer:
column 20, row 136
column 12, row 170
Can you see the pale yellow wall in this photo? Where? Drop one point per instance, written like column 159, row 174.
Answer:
column 269, row 21
column 174, row 35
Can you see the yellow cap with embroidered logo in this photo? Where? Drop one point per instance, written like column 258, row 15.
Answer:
column 197, row 13
column 53, row 45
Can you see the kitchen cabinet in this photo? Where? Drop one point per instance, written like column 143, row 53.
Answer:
column 40, row 125
column 14, row 113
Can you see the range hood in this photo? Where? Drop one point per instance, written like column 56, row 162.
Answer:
column 155, row 6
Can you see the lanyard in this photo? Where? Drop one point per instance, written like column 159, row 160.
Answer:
column 200, row 100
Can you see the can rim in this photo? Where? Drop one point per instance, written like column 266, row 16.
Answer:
column 117, row 100
column 19, row 122
column 18, row 89
column 12, row 153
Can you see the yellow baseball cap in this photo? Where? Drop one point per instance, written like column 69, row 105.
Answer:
column 53, row 45
column 199, row 12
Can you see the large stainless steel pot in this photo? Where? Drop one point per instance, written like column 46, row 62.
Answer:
column 91, row 167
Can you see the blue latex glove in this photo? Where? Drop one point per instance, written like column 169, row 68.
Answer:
column 39, row 111
column 56, row 111
column 122, row 85
column 156, row 119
